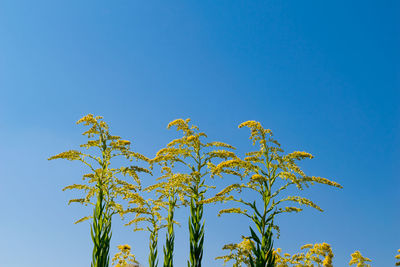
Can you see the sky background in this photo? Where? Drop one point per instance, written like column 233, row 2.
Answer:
column 322, row 75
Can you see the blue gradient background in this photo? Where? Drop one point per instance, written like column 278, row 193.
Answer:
column 323, row 75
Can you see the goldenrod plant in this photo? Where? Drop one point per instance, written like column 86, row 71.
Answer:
column 102, row 186
column 171, row 188
column 268, row 173
column 357, row 258
column 147, row 211
column 195, row 156
column 123, row 257
column 317, row 255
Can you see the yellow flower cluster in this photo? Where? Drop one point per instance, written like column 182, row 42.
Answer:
column 124, row 256
column 182, row 125
column 220, row 144
column 89, row 119
column 324, row 250
column 134, row 198
column 138, row 156
column 232, row 210
column 321, row 180
column 289, row 176
column 216, row 199
column 232, row 163
column 240, row 252
column 180, row 142
column 120, row 144
column 69, row 155
column 254, row 159
column 172, row 151
column 177, row 181
column 258, row 178
column 124, row 248
column 257, row 131
column 299, row 155
column 223, row 154
column 289, row 209
column 95, row 125
column 91, row 143
column 306, row 259
column 76, row 186
column 303, row 201
column 357, row 258
column 229, row 188
column 245, row 245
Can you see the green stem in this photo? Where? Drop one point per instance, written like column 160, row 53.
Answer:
column 263, row 244
column 196, row 226
column 196, row 229
column 101, row 234
column 170, row 237
column 153, row 261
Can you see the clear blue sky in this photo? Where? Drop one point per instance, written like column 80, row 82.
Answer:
column 323, row 75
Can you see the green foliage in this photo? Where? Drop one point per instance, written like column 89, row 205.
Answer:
column 153, row 261
column 196, row 231
column 262, row 250
column 170, row 236
column 100, row 232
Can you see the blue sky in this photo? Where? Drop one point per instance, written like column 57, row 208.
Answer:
column 323, row 75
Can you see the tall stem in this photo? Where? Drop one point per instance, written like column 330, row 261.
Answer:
column 101, row 234
column 101, row 227
column 196, row 226
column 196, row 229
column 153, row 262
column 170, row 237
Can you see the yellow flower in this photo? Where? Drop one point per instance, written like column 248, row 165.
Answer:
column 357, row 258
column 124, row 247
column 299, row 155
column 258, row 178
column 88, row 119
column 69, row 155
column 124, row 257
